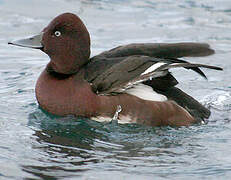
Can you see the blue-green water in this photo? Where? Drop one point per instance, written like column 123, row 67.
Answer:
column 34, row 145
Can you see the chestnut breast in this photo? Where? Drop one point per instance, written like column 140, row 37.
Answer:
column 71, row 95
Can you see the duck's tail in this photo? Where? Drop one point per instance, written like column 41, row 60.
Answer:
column 196, row 109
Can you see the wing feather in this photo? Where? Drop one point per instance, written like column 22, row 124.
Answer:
column 137, row 69
column 161, row 50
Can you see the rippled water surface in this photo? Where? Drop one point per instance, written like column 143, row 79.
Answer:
column 36, row 145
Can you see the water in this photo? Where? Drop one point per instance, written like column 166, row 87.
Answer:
column 35, row 145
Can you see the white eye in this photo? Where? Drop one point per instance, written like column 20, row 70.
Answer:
column 57, row 33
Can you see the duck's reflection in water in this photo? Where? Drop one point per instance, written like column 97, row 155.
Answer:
column 64, row 146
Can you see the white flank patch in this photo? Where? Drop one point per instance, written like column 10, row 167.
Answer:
column 101, row 119
column 153, row 68
column 145, row 92
column 122, row 119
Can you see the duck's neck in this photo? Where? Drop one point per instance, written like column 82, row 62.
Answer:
column 57, row 75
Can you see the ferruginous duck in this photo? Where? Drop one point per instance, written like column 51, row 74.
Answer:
column 130, row 83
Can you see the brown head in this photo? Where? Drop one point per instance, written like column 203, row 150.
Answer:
column 65, row 40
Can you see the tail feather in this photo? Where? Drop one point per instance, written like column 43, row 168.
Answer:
column 196, row 109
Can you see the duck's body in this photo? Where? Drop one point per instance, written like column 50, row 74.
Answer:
column 79, row 99
column 133, row 77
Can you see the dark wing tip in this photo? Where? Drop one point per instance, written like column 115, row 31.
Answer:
column 217, row 68
column 201, row 49
column 194, row 67
column 210, row 51
column 199, row 71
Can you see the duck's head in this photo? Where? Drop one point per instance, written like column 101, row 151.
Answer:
column 65, row 40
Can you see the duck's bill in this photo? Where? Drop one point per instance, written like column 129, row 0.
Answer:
column 31, row 42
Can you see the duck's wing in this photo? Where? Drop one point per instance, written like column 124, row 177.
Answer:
column 129, row 71
column 161, row 50
column 125, row 66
